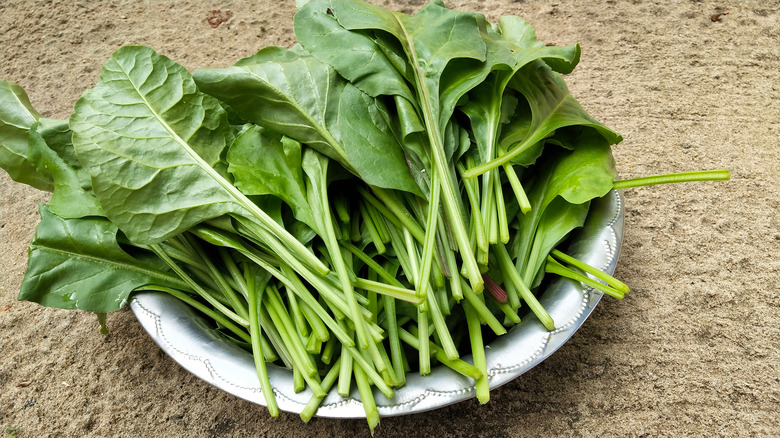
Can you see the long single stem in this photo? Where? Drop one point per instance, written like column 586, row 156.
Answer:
column 704, row 175
column 257, row 350
column 477, row 352
column 430, row 238
column 441, row 327
column 398, row 293
column 367, row 398
column 517, row 188
column 396, row 354
column 482, row 310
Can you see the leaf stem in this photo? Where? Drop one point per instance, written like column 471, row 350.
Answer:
column 503, row 257
column 601, row 275
column 257, row 350
column 703, row 175
column 552, row 266
column 477, row 352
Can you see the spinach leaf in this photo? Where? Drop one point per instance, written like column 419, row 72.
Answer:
column 264, row 162
column 576, row 177
column 153, row 145
column 297, row 95
column 72, row 195
column 79, row 264
column 16, row 117
column 552, row 107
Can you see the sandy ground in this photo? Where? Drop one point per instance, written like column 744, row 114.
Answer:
column 693, row 351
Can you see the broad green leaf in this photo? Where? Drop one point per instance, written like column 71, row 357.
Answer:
column 585, row 173
column 72, row 195
column 153, row 145
column 16, row 117
column 78, row 264
column 520, row 38
column 430, row 39
column 485, row 107
column 264, row 163
column 305, row 99
column 150, row 141
column 579, row 175
column 552, row 107
column 359, row 58
column 58, row 136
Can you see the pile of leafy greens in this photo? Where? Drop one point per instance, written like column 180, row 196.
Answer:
column 338, row 207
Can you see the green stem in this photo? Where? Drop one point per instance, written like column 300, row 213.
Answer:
column 430, row 238
column 392, row 337
column 278, row 312
column 368, row 221
column 257, row 350
column 451, row 265
column 476, row 214
column 482, row 310
column 517, row 188
column 525, row 293
column 704, row 175
column 367, row 398
column 477, row 352
column 345, row 373
column 399, row 293
column 327, row 382
column 458, row 365
column 197, row 305
column 395, row 207
column 503, row 223
column 441, row 327
column 239, row 306
column 197, row 288
column 423, row 338
column 553, row 267
column 603, row 276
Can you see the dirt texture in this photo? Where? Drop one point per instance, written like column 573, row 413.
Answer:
column 692, row 351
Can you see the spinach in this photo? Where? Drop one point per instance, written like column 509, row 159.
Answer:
column 337, row 207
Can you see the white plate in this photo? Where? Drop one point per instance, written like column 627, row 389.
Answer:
column 187, row 339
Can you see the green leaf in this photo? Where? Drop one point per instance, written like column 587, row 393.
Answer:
column 299, row 96
column 577, row 176
column 552, row 107
column 585, row 173
column 317, row 29
column 16, row 117
column 520, row 38
column 153, row 145
column 486, row 105
column 558, row 220
column 72, row 195
column 264, row 163
column 78, row 264
column 150, row 140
